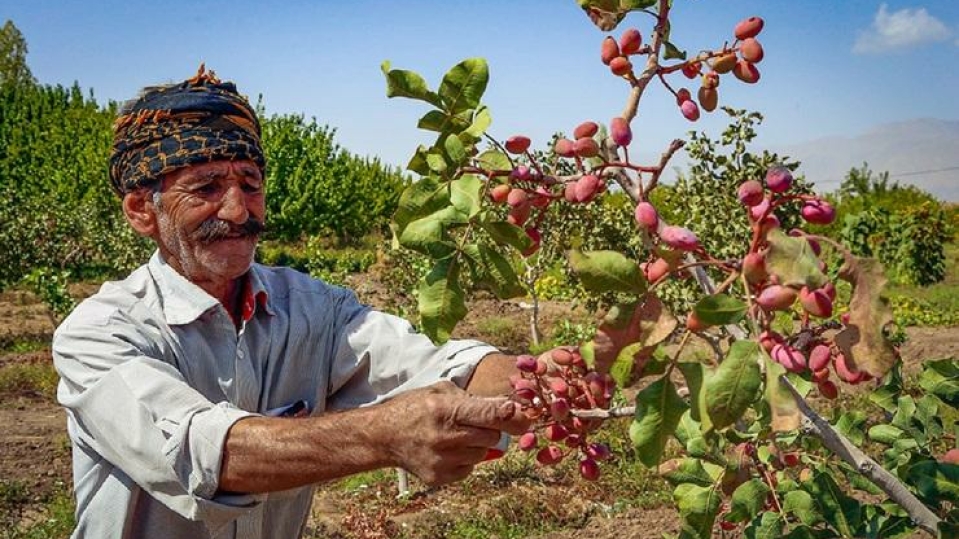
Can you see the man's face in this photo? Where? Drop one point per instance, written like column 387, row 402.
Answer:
column 209, row 219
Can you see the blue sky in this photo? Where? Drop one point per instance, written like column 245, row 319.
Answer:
column 831, row 67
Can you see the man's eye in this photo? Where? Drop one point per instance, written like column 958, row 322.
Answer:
column 205, row 189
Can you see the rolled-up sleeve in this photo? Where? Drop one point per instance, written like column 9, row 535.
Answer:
column 133, row 408
column 378, row 355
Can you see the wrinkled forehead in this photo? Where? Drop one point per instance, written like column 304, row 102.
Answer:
column 215, row 170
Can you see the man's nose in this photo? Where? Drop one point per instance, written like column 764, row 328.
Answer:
column 233, row 206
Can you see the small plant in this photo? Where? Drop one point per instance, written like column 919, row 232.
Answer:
column 29, row 379
column 51, row 287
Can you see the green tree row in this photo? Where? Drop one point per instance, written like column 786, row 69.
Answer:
column 903, row 226
column 57, row 211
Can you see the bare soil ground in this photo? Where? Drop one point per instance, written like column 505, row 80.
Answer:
column 34, row 450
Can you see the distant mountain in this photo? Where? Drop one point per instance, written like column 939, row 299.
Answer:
column 922, row 152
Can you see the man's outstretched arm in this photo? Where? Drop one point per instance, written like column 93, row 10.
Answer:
column 438, row 433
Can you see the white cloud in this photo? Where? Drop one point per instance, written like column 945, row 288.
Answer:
column 900, row 29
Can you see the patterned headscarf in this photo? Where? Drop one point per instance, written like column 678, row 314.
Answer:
column 197, row 121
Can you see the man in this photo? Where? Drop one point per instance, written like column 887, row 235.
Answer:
column 172, row 377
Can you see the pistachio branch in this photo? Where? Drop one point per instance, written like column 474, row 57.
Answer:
column 815, row 425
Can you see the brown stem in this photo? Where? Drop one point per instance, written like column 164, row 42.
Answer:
column 729, row 281
column 652, row 64
column 674, row 146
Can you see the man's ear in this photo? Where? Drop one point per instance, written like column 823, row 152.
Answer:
column 140, row 212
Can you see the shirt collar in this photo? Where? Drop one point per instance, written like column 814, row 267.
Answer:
column 184, row 302
column 255, row 294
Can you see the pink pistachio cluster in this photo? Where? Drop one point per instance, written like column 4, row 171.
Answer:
column 616, row 54
column 672, row 236
column 771, row 296
column 526, row 189
column 551, row 388
column 740, row 59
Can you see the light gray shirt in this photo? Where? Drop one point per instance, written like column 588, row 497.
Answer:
column 154, row 373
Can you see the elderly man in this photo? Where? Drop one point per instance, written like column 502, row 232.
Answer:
column 172, row 378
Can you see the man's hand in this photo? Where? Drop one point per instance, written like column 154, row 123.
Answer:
column 440, row 433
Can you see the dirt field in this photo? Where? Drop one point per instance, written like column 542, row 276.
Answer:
column 34, row 451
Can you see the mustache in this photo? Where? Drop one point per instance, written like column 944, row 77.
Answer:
column 214, row 229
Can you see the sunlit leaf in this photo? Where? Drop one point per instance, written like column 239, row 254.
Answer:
column 720, row 309
column 493, row 160
column 463, row 85
column 863, row 340
column 768, row 525
column 793, row 261
column 735, row 385
column 607, row 271
column 658, row 410
column 481, row 122
column 465, row 194
column 429, row 235
column 690, row 435
column 686, row 470
column 851, row 424
column 454, row 149
column 442, row 302
column 928, row 415
column 421, row 198
column 885, row 434
column 695, row 373
column 747, row 500
column 698, row 507
column 801, row 504
column 436, row 161
column 785, row 412
column 401, row 83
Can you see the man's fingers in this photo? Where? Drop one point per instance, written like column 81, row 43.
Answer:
column 496, row 414
column 462, row 436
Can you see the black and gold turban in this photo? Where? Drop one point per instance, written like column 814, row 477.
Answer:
column 197, row 121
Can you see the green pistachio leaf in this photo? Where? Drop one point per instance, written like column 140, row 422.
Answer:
column 658, row 410
column 735, row 385
column 401, row 83
column 463, row 85
column 607, row 271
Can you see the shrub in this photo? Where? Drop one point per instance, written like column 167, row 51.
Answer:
column 316, row 187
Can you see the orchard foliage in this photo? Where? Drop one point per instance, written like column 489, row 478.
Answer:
column 741, row 419
column 58, row 211
column 13, row 57
column 904, row 227
column 59, row 217
column 909, row 242
column 316, row 187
